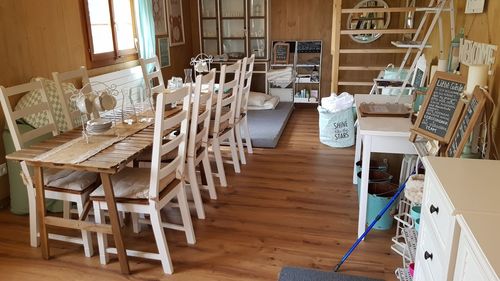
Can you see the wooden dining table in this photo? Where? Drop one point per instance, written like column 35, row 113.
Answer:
column 106, row 162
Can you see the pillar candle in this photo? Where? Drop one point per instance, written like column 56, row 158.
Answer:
column 477, row 76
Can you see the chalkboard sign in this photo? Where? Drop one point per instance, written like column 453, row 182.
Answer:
column 281, row 53
column 309, row 47
column 418, row 79
column 467, row 122
column 441, row 108
column 420, row 73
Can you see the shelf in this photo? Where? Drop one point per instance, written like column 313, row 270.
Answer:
column 365, row 68
column 409, row 44
column 297, row 82
column 355, row 83
column 403, row 274
column 303, row 100
column 281, row 64
column 377, row 31
column 374, row 51
column 307, row 65
column 233, row 18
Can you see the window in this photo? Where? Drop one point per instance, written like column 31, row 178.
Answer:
column 110, row 27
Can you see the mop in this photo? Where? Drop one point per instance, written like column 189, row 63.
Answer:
column 353, row 247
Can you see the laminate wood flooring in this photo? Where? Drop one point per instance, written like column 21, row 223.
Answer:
column 294, row 205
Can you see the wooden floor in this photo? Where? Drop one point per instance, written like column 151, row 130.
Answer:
column 293, row 205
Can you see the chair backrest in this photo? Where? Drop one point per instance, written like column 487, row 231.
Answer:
column 201, row 110
column 245, row 84
column 227, row 96
column 42, row 110
column 71, row 113
column 151, row 76
column 165, row 126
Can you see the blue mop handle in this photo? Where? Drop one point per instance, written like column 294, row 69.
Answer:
column 380, row 214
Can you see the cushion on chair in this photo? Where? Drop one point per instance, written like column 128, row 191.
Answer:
column 41, row 119
column 131, row 183
column 67, row 179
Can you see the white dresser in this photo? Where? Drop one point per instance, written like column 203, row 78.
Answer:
column 453, row 189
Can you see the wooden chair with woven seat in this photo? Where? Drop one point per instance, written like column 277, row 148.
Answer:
column 63, row 185
column 222, row 127
column 240, row 117
column 197, row 151
column 148, row 190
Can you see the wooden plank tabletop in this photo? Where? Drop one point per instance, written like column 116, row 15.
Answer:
column 109, row 160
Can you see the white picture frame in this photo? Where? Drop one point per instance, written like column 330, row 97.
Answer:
column 163, row 52
column 159, row 18
column 175, row 20
column 474, row 6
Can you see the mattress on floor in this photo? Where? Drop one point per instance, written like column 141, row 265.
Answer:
column 266, row 126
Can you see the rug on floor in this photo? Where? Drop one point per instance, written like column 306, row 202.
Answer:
column 307, row 274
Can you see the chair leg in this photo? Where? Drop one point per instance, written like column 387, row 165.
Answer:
column 234, row 153
column 239, row 141
column 136, row 226
column 209, row 177
column 102, row 239
column 86, row 235
column 66, row 209
column 161, row 240
column 186, row 217
column 248, row 140
column 219, row 162
column 34, row 241
column 195, row 189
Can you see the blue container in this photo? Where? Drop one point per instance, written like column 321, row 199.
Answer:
column 379, row 195
column 380, row 165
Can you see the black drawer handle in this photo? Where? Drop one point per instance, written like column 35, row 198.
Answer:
column 434, row 209
column 428, row 255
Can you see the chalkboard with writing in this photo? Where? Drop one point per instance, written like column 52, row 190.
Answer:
column 309, row 47
column 418, row 79
column 467, row 122
column 281, row 53
column 441, row 108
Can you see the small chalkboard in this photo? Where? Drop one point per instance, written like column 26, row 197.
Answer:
column 281, row 53
column 467, row 122
column 309, row 47
column 441, row 108
column 420, row 73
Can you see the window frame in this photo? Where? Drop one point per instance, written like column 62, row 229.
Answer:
column 115, row 56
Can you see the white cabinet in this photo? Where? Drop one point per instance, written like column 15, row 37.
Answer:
column 449, row 246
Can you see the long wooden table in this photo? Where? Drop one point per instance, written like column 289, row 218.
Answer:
column 107, row 162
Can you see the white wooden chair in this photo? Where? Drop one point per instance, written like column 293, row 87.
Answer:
column 222, row 127
column 63, row 185
column 71, row 114
column 240, row 117
column 148, row 190
column 197, row 151
column 153, row 80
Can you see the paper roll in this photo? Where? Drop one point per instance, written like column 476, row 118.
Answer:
column 477, row 76
column 442, row 65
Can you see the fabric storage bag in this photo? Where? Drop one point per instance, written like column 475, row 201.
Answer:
column 336, row 129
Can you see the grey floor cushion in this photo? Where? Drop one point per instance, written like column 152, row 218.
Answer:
column 306, row 274
column 266, row 126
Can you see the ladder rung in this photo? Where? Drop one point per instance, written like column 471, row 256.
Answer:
column 377, row 31
column 355, row 83
column 364, row 67
column 374, row 51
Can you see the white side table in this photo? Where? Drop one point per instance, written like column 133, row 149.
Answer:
column 378, row 134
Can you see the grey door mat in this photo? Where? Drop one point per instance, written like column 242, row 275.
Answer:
column 266, row 126
column 306, row 274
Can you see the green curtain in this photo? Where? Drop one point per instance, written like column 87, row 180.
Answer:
column 145, row 28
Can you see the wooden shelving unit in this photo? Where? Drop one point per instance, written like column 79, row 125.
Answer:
column 392, row 47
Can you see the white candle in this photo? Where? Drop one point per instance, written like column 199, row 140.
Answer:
column 442, row 65
column 477, row 76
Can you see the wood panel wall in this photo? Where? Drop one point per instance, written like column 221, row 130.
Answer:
column 480, row 28
column 39, row 37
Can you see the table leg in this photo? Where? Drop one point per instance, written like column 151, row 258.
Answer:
column 115, row 222
column 363, row 197
column 357, row 155
column 40, row 206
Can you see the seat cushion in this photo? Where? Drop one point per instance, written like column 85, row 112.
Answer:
column 67, row 179
column 131, row 183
